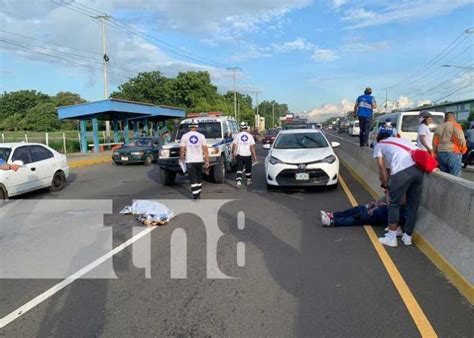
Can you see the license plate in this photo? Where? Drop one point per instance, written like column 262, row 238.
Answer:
column 124, row 158
column 302, row 176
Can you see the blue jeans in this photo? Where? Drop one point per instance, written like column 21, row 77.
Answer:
column 359, row 216
column 450, row 163
column 364, row 125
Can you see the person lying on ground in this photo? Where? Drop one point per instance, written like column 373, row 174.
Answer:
column 373, row 213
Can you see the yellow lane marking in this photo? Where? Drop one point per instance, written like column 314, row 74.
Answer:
column 89, row 161
column 417, row 314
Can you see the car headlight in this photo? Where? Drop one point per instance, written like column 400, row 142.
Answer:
column 274, row 160
column 214, row 151
column 329, row 159
column 164, row 153
column 137, row 153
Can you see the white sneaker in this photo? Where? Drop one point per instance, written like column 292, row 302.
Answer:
column 325, row 219
column 399, row 231
column 388, row 241
column 406, row 239
column 249, row 182
column 239, row 184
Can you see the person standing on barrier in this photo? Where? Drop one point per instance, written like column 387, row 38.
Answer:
column 449, row 144
column 363, row 109
column 193, row 150
column 406, row 180
column 243, row 148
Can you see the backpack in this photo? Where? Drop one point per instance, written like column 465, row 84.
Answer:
column 422, row 158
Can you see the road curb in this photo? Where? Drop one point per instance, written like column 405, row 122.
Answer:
column 90, row 161
column 451, row 273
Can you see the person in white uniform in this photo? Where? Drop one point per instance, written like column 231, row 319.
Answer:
column 243, row 148
column 193, row 150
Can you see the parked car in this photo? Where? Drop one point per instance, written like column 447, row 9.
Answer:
column 354, row 129
column 406, row 124
column 269, row 136
column 301, row 158
column 219, row 131
column 40, row 167
column 141, row 150
column 343, row 126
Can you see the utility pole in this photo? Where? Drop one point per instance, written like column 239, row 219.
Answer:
column 235, row 91
column 105, row 59
column 257, row 122
column 273, row 115
column 386, row 99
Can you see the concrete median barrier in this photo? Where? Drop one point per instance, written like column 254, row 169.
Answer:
column 444, row 228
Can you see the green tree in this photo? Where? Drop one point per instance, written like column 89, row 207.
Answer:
column 19, row 102
column 42, row 117
column 67, row 99
column 193, row 89
column 148, row 87
column 265, row 108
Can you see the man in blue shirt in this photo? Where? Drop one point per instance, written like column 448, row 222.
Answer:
column 364, row 109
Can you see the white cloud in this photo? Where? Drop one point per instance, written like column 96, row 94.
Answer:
column 402, row 11
column 324, row 55
column 366, row 47
column 328, row 110
column 338, row 3
column 299, row 44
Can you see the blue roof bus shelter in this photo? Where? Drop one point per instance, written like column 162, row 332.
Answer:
column 118, row 112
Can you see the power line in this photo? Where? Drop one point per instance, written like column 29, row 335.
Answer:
column 453, row 92
column 436, row 58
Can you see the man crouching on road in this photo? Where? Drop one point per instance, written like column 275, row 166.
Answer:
column 193, row 147
column 5, row 166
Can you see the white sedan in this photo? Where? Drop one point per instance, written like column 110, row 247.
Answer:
column 40, row 167
column 301, row 158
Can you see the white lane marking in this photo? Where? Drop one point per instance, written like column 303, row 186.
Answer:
column 61, row 285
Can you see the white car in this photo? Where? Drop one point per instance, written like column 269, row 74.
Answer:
column 301, row 158
column 40, row 167
column 354, row 129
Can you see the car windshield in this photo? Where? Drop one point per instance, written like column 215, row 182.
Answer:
column 300, row 141
column 5, row 153
column 209, row 129
column 141, row 142
column 410, row 123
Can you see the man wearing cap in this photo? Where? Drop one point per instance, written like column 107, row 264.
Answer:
column 363, row 109
column 193, row 150
column 243, row 148
column 424, row 140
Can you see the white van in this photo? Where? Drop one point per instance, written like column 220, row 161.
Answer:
column 354, row 129
column 406, row 124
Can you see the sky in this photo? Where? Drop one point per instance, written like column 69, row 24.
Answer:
column 316, row 56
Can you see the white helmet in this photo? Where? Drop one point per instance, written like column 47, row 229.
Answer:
column 244, row 125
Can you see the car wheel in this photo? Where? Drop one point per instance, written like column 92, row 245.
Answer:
column 167, row 177
column 218, row 171
column 59, row 181
column 3, row 194
column 148, row 160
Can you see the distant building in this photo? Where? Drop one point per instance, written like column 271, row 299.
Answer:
column 460, row 108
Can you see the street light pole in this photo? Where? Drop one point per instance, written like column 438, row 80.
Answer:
column 455, row 66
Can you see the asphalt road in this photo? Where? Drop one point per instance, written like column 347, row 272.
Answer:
column 299, row 279
column 467, row 173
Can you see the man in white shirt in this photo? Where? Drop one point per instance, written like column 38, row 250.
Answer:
column 425, row 137
column 243, row 148
column 193, row 149
column 406, row 179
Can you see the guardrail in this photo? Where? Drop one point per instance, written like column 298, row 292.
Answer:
column 445, row 222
